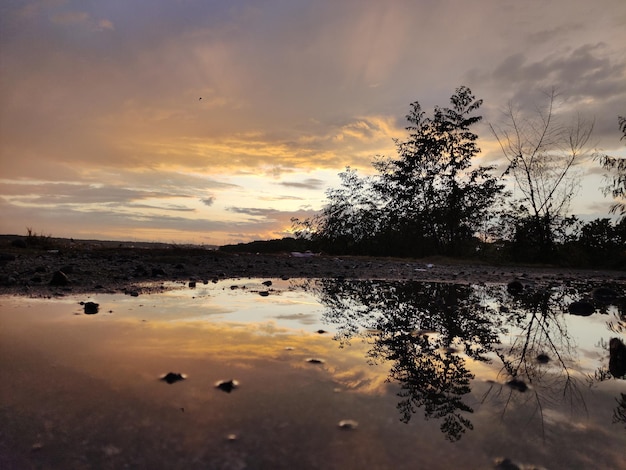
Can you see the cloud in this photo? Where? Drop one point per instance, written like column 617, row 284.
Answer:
column 309, row 183
column 588, row 79
column 253, row 211
column 106, row 95
column 281, row 198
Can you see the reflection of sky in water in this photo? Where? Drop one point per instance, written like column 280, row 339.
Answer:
column 238, row 300
column 79, row 390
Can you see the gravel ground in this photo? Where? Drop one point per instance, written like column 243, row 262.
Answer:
column 90, row 267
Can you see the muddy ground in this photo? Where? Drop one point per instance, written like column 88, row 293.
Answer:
column 31, row 267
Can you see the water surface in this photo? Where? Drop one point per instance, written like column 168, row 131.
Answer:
column 351, row 374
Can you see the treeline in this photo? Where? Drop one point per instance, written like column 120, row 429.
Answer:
column 432, row 199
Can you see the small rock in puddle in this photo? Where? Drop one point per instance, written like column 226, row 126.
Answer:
column 506, row 464
column 515, row 287
column 543, row 358
column 314, row 360
column 227, row 385
column 321, row 332
column 173, row 377
column 617, row 357
column 348, row 424
column 581, row 308
column 605, row 294
column 90, row 308
column 517, row 384
column 264, row 293
column 267, row 283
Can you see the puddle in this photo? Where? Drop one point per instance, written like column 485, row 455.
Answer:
column 324, row 374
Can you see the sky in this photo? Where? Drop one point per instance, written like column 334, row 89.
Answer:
column 213, row 122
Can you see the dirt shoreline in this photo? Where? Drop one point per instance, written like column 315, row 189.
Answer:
column 112, row 267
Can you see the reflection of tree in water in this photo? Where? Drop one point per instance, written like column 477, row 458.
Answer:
column 540, row 359
column 418, row 327
column 422, row 328
column 619, row 414
column 610, row 300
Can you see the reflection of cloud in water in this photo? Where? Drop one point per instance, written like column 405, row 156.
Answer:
column 108, row 360
column 304, row 318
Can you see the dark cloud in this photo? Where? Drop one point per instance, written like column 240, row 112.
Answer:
column 309, row 183
column 589, row 81
column 253, row 211
column 67, row 193
column 582, row 73
column 105, row 94
column 165, row 207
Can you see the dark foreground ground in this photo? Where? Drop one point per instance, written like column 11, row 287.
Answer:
column 49, row 267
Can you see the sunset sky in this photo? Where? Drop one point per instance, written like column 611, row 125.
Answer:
column 103, row 133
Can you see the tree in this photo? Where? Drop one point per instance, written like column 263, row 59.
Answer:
column 542, row 155
column 617, row 166
column 433, row 200
column 348, row 222
column 428, row 200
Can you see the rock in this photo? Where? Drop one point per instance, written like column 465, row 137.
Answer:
column 227, row 385
column 314, row 360
column 605, row 295
column 581, row 308
column 515, row 287
column 173, row 377
column 543, row 358
column 617, row 358
column 59, row 279
column 192, row 284
column 267, row 283
column 91, row 308
column 348, row 424
column 506, row 464
column 517, row 384
column 264, row 293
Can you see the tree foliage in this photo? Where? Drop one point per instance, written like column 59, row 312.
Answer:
column 430, row 189
column 348, row 222
column 431, row 198
column 427, row 200
column 616, row 166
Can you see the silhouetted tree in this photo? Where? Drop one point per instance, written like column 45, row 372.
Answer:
column 602, row 243
column 434, row 201
column 616, row 166
column 542, row 155
column 428, row 200
column 349, row 221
